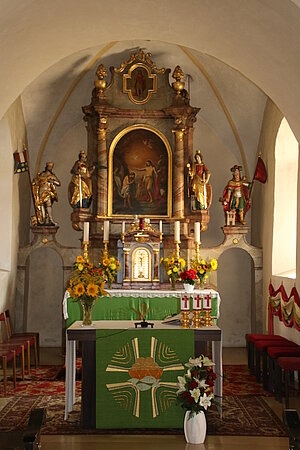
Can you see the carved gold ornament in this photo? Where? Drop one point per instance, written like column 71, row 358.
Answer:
column 140, row 56
column 178, row 85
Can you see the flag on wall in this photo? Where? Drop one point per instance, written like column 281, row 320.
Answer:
column 260, row 173
column 21, row 161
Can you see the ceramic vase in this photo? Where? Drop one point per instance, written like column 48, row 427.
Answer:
column 195, row 428
column 189, row 288
column 87, row 309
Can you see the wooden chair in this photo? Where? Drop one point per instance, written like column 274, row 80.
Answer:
column 18, row 347
column 33, row 336
column 28, row 439
column 8, row 355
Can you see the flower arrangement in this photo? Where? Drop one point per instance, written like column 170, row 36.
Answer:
column 86, row 281
column 195, row 391
column 204, row 267
column 109, row 266
column 189, row 277
column 85, row 285
column 173, row 267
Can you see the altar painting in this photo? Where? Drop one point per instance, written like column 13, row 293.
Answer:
column 140, row 174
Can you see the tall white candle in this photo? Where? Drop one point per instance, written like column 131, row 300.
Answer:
column 197, row 232
column 106, row 231
column 160, row 226
column 86, row 231
column 177, row 231
column 123, row 227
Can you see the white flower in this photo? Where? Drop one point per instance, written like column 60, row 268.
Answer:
column 195, row 393
column 188, row 374
column 194, row 362
column 181, row 385
column 201, row 383
column 205, row 400
column 207, row 362
column 181, row 380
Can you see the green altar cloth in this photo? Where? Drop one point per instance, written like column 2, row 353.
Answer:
column 121, row 308
column 136, row 377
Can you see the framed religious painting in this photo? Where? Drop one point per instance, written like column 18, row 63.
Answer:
column 140, row 173
column 139, row 83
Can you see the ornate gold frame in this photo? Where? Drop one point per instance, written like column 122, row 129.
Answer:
column 133, row 262
column 127, row 76
column 110, row 168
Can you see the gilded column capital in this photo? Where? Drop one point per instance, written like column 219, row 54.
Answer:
column 179, row 133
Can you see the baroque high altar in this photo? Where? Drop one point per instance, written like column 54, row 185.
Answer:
column 143, row 174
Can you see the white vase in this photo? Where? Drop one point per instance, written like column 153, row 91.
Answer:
column 195, row 428
column 189, row 288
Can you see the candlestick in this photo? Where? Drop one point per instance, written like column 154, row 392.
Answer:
column 105, row 251
column 197, row 251
column 86, row 231
column 106, row 231
column 197, row 233
column 177, row 231
column 177, row 250
column 86, row 251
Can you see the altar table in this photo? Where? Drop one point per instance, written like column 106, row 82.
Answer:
column 87, row 335
column 120, row 304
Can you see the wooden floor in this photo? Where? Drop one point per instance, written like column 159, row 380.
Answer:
column 128, row 442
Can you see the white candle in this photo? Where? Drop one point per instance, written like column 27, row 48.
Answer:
column 106, row 231
column 123, row 227
column 197, row 302
column 207, row 301
column 86, row 231
column 160, row 226
column 197, row 232
column 177, row 231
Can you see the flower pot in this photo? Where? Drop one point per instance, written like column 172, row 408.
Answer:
column 195, row 428
column 87, row 309
column 189, row 288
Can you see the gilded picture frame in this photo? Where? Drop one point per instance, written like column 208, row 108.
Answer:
column 140, row 173
column 139, row 83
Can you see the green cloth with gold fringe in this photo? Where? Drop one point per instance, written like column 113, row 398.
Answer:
column 136, row 377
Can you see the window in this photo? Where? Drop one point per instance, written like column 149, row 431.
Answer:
column 285, row 203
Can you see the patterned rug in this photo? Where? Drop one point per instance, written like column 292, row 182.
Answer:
column 245, row 413
column 242, row 416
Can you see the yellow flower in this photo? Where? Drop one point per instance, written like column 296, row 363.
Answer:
column 172, row 261
column 175, row 269
column 198, row 268
column 80, row 267
column 206, row 276
column 161, row 260
column 112, row 259
column 202, row 261
column 105, row 262
column 112, row 266
column 214, row 264
column 202, row 271
column 79, row 259
column 71, row 291
column 182, row 262
column 169, row 272
column 79, row 289
column 92, row 290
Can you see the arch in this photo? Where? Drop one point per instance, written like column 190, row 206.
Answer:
column 237, row 309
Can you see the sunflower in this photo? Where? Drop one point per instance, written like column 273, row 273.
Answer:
column 214, row 264
column 105, row 262
column 92, row 290
column 79, row 290
column 79, row 259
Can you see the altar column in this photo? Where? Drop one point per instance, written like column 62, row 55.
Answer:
column 178, row 176
column 102, row 169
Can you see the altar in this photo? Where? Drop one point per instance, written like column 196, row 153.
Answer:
column 110, row 350
column 124, row 304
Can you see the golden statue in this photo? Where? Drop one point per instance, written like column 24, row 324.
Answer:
column 44, row 193
column 80, row 187
column 199, row 189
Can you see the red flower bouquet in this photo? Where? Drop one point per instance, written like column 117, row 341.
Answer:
column 189, row 277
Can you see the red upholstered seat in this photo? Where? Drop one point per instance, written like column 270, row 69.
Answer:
column 259, row 337
column 263, row 345
column 276, row 352
column 289, row 362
